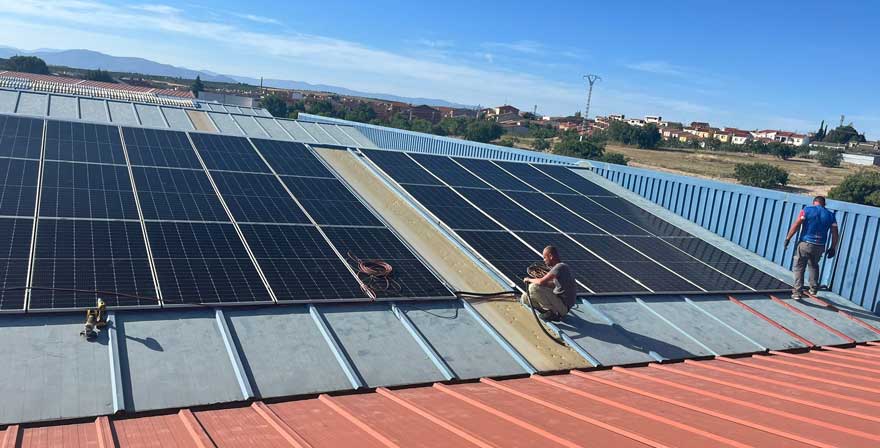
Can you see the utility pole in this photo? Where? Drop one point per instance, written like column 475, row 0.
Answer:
column 842, row 117
column 591, row 79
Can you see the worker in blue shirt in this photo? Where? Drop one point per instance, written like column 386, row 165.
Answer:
column 816, row 221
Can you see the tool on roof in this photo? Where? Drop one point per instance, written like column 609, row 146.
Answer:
column 96, row 320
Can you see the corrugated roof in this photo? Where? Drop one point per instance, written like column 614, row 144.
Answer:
column 776, row 400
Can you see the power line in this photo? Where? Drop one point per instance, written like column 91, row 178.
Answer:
column 591, row 79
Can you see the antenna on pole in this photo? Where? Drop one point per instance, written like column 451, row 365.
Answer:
column 591, row 79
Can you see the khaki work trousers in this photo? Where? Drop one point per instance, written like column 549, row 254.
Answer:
column 544, row 299
column 807, row 255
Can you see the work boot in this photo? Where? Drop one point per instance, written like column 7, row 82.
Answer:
column 550, row 316
column 814, row 290
column 797, row 294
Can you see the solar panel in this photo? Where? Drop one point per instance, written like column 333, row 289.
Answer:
column 603, row 218
column 20, row 137
column 504, row 210
column 257, row 198
column 487, row 171
column 329, row 202
column 414, row 278
column 86, row 190
column 728, row 264
column 223, row 152
column 535, row 178
column 152, row 147
column 203, row 263
column 640, row 217
column 570, row 178
column 77, row 257
column 177, row 194
column 554, row 213
column 502, row 250
column 291, row 158
column 451, row 172
column 400, row 167
column 299, row 264
column 450, row 208
column 15, row 243
column 83, row 142
column 18, row 180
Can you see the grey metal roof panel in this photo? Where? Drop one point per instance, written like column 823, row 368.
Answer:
column 356, row 135
column 8, row 100
column 177, row 119
column 262, row 112
column 225, row 123
column 150, row 115
column 746, row 323
column 33, row 104
column 232, row 109
column 601, row 339
column 169, row 363
column 338, row 135
column 298, row 133
column 250, row 127
column 284, row 353
column 93, row 110
column 273, row 128
column 216, row 107
column 834, row 320
column 122, row 113
column 50, row 372
column 63, row 107
column 317, row 133
column 798, row 324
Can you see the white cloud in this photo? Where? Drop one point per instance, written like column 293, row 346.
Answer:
column 436, row 44
column 521, row 46
column 158, row 9
column 658, row 68
column 258, row 19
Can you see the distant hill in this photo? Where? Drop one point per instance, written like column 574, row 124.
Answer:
column 87, row 59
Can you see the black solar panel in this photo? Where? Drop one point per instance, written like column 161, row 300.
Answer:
column 177, row 194
column 504, row 210
column 609, row 248
column 87, row 190
column 413, row 277
column 203, row 263
column 504, row 251
column 291, row 158
column 15, row 243
column 18, row 186
column 684, row 264
column 535, row 178
column 728, row 264
column 451, row 172
column 257, row 198
column 299, row 264
column 83, row 142
column 450, row 208
column 603, row 218
column 640, row 217
column 223, row 152
column 90, row 255
column 329, row 202
column 400, row 167
column 554, row 213
column 490, row 173
column 20, row 137
column 152, row 147
column 570, row 178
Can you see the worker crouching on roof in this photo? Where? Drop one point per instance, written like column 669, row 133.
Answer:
column 554, row 293
column 816, row 221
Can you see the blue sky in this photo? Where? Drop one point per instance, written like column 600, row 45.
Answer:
column 746, row 64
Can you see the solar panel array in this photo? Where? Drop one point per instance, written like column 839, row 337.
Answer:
column 508, row 212
column 143, row 217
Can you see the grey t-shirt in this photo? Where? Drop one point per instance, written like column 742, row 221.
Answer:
column 565, row 285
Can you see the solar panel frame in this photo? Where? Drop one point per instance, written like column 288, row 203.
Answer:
column 228, row 153
column 507, row 212
column 15, row 247
column 555, row 214
column 291, row 158
column 159, row 148
column 83, row 142
column 252, row 197
column 21, row 137
column 400, row 167
column 330, row 202
column 86, row 190
column 450, row 208
column 177, row 194
column 449, row 171
column 531, row 176
column 492, row 174
column 571, row 179
column 18, row 180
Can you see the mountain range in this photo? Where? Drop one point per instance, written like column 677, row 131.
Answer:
column 88, row 59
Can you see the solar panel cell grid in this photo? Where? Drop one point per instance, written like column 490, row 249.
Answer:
column 329, row 202
column 451, row 173
column 570, row 178
column 401, row 168
column 451, row 208
column 504, row 210
column 15, row 243
column 18, row 187
column 554, row 213
column 84, row 190
column 535, row 178
column 91, row 256
column 257, row 198
column 20, row 137
column 83, row 142
column 609, row 222
column 223, row 152
column 151, row 147
column 489, row 172
column 177, row 194
column 291, row 158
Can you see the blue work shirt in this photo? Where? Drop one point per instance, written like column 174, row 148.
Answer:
column 817, row 222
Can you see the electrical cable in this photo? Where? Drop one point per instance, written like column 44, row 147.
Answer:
column 538, row 270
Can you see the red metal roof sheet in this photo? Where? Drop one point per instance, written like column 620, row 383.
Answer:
column 827, row 397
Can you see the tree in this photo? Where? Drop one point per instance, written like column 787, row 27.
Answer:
column 420, row 125
column 829, row 157
column 454, row 125
column 862, row 188
column 648, row 136
column 762, row 175
column 197, row 86
column 27, row 64
column 823, row 130
column 586, row 149
column 615, row 157
column 844, row 134
column 781, row 150
column 362, row 113
column 275, row 105
column 99, row 75
column 540, row 144
column 713, row 144
column 483, row 131
column 322, row 107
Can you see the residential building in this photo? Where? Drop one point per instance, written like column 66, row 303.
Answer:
column 424, row 112
column 635, row 122
column 656, row 119
column 740, row 137
column 614, row 117
column 724, row 136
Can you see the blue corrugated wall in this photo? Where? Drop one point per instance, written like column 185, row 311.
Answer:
column 758, row 220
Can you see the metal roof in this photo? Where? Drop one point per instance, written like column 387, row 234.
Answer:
column 819, row 398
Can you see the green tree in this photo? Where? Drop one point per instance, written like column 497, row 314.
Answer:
column 862, row 187
column 27, row 64
column 275, row 105
column 844, row 134
column 420, row 125
column 454, row 125
column 829, row 157
column 585, row 149
column 781, row 150
column 362, row 113
column 540, row 144
column 483, row 131
column 762, row 175
column 820, row 134
column 197, row 86
column 99, row 75
column 322, row 107
column 615, row 157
